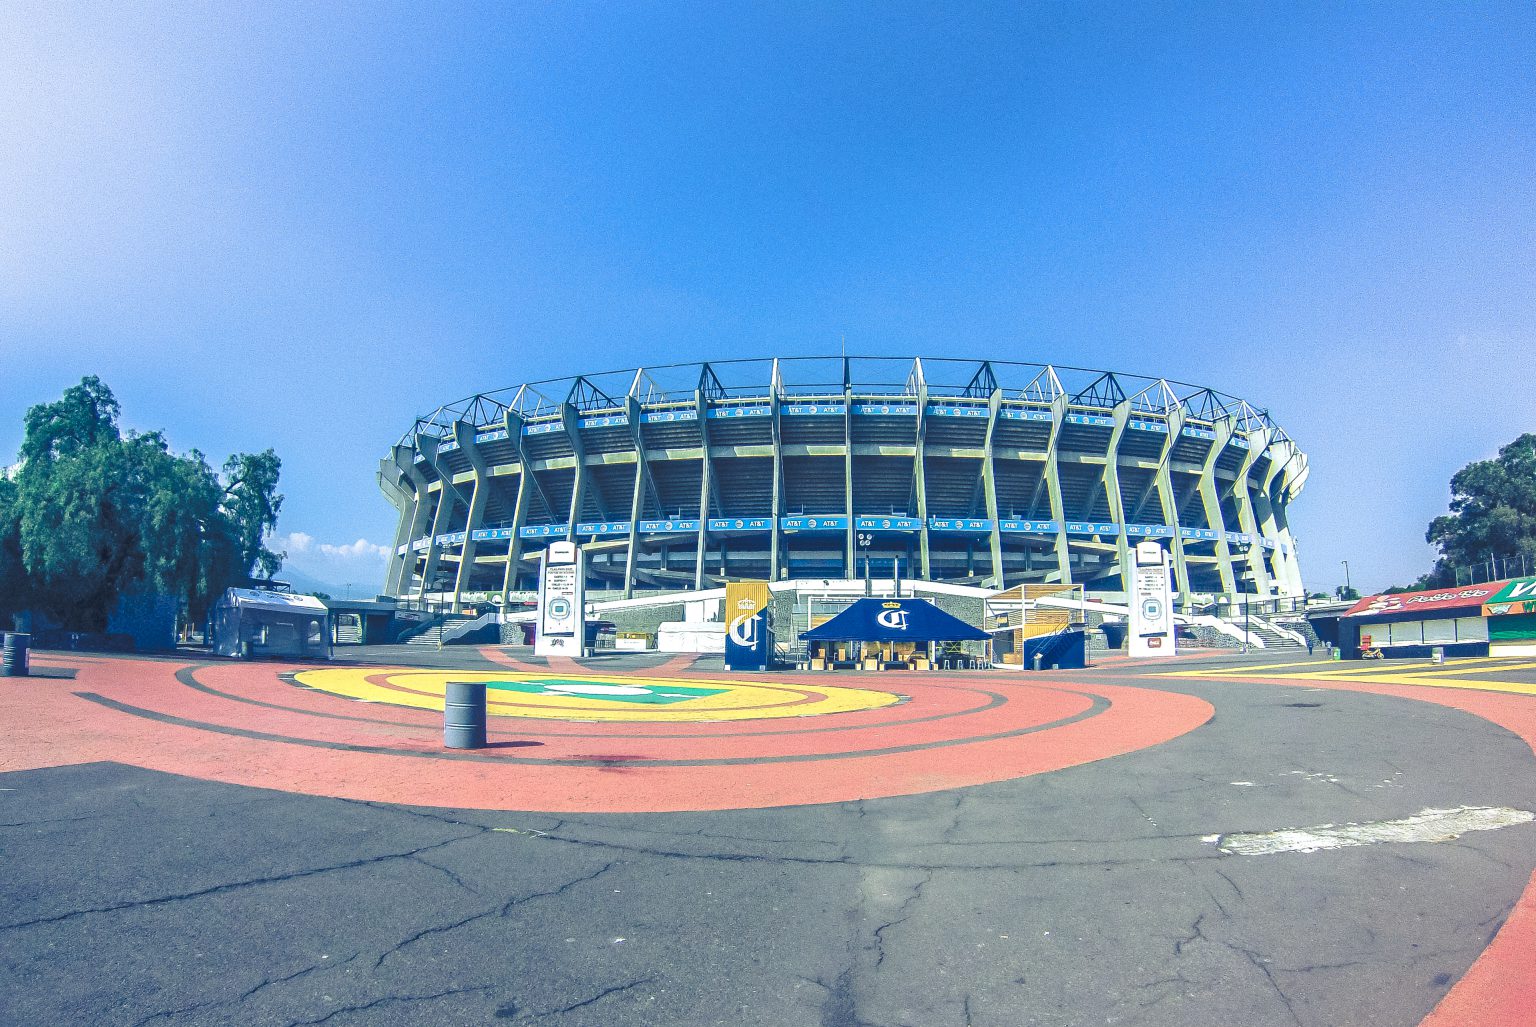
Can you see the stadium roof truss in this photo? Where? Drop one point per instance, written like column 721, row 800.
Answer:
column 884, row 377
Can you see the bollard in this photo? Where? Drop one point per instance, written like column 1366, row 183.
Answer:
column 464, row 715
column 13, row 654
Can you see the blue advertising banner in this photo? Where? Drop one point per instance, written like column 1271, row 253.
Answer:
column 603, row 528
column 888, row 522
column 740, row 523
column 542, row 531
column 1022, row 527
column 672, row 527
column 965, row 524
column 814, row 522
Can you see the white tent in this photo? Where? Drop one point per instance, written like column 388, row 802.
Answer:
column 246, row 622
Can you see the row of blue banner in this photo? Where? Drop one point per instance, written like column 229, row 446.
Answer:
column 837, row 409
column 839, row 522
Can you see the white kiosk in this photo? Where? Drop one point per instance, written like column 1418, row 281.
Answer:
column 562, row 624
column 1151, row 603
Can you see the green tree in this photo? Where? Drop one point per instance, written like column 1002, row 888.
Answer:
column 1493, row 514
column 94, row 514
column 251, row 504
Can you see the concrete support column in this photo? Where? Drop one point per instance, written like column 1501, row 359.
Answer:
column 1170, row 505
column 1212, row 505
column 515, row 543
column 1053, row 489
column 527, row 484
column 706, row 487
column 920, row 473
column 850, row 536
column 1111, row 485
column 989, row 488
column 1290, row 471
column 637, row 493
column 414, row 519
column 464, row 435
column 447, row 497
column 1242, row 497
column 570, row 417
column 402, row 499
column 776, row 555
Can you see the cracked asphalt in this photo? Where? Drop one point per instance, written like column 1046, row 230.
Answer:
column 1082, row 896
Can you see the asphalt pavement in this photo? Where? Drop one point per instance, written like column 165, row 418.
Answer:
column 1093, row 894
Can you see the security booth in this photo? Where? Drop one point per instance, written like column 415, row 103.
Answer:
column 892, row 634
column 1511, row 613
column 247, row 622
column 1409, row 625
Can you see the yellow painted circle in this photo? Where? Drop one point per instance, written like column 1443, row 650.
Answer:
column 598, row 697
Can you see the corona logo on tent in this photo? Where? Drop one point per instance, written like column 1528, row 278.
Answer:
column 747, row 603
column 896, row 618
column 890, row 606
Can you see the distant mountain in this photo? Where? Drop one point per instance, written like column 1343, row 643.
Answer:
column 302, row 582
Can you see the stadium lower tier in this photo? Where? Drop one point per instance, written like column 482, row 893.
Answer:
column 685, row 558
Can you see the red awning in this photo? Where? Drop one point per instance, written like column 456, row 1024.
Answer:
column 1434, row 599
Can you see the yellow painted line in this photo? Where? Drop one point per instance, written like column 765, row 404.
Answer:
column 1487, row 668
column 1246, row 669
column 1364, row 668
column 1415, row 676
column 735, row 700
column 1515, row 687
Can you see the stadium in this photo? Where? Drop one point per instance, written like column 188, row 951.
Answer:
column 989, row 474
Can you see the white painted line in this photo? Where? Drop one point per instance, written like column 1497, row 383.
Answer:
column 1430, row 825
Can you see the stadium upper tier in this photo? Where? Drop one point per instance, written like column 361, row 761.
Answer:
column 982, row 472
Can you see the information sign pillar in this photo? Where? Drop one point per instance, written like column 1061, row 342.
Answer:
column 562, row 602
column 1151, row 604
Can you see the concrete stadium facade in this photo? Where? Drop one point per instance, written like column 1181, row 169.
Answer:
column 986, row 473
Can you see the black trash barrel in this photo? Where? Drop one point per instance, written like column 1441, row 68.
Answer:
column 13, row 654
column 464, row 715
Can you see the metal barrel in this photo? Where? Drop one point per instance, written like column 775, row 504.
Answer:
column 464, row 715
column 13, row 654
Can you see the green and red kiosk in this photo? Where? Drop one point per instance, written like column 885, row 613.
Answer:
column 1493, row 618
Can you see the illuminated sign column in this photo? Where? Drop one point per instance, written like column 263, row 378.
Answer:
column 562, row 602
column 1151, row 602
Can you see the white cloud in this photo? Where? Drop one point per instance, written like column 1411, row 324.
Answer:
column 292, row 543
column 359, row 549
column 359, row 563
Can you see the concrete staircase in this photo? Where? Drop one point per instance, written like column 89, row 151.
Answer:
column 1273, row 637
column 430, row 637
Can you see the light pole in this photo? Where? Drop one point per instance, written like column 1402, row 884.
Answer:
column 1348, row 588
column 1247, row 548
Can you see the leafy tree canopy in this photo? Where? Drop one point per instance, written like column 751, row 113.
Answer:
column 93, row 514
column 1492, row 517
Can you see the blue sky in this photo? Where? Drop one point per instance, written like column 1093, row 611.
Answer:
column 300, row 227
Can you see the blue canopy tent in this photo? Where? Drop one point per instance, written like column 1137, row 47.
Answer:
column 891, row 621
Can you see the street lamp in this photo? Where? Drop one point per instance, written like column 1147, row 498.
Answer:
column 1348, row 589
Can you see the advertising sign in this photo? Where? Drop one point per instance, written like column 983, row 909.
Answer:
column 1519, row 596
column 562, row 602
column 1151, row 606
column 1433, row 599
column 747, row 642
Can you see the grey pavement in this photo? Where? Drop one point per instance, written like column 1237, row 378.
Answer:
column 1084, row 896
